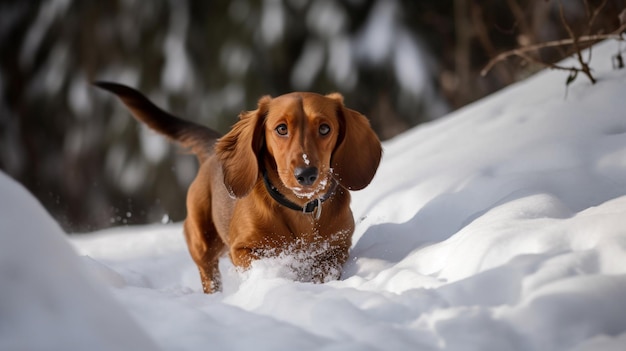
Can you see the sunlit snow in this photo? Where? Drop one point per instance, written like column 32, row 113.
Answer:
column 498, row 227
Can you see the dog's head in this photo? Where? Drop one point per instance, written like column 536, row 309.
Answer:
column 308, row 138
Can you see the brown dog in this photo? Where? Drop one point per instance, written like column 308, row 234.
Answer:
column 276, row 184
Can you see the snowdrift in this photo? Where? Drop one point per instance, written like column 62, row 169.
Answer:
column 47, row 302
column 499, row 227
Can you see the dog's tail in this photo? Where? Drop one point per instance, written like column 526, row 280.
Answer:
column 198, row 138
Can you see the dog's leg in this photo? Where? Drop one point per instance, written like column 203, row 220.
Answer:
column 243, row 257
column 203, row 240
column 205, row 247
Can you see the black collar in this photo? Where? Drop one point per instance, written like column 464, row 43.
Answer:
column 309, row 207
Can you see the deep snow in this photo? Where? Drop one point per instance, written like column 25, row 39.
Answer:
column 501, row 226
column 47, row 302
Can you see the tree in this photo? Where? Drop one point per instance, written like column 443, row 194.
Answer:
column 401, row 63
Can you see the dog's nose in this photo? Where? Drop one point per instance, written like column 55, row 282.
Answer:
column 305, row 175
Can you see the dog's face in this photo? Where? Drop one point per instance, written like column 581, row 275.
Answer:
column 308, row 137
column 301, row 131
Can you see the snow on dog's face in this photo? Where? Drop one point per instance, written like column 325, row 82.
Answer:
column 301, row 132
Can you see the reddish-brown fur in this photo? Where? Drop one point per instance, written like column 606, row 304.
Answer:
column 229, row 208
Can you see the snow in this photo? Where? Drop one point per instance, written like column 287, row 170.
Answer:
column 384, row 40
column 153, row 146
column 47, row 300
column 377, row 36
column 42, row 24
column 308, row 65
column 497, row 227
column 273, row 20
column 177, row 73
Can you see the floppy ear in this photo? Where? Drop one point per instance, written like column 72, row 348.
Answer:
column 358, row 151
column 238, row 150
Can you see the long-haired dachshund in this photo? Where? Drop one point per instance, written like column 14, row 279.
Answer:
column 276, row 184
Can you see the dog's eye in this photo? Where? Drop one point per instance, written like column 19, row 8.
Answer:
column 282, row 129
column 324, row 129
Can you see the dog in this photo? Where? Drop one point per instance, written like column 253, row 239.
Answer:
column 276, row 184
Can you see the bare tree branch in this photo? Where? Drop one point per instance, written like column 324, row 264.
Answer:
column 617, row 35
column 594, row 15
column 584, row 66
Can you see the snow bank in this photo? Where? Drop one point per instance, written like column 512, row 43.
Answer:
column 46, row 300
column 498, row 227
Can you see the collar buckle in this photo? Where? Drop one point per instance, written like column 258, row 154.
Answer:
column 315, row 205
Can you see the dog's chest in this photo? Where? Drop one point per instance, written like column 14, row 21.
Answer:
column 307, row 232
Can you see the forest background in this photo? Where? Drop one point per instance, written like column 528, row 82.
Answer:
column 400, row 62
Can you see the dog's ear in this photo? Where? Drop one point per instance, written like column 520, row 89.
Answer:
column 358, row 150
column 239, row 149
